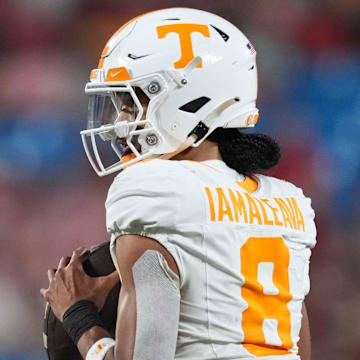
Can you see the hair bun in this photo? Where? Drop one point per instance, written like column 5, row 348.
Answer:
column 246, row 153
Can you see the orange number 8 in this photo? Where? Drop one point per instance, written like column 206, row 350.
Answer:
column 266, row 304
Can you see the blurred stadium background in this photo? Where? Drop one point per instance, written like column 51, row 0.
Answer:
column 51, row 201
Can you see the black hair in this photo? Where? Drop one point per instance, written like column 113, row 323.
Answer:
column 246, row 153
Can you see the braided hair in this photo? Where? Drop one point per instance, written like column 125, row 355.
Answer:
column 246, row 153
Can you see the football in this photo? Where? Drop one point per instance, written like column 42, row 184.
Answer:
column 57, row 343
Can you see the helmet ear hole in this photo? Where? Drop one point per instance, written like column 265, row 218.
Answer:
column 195, row 105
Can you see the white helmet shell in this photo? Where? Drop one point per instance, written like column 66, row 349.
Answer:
column 198, row 70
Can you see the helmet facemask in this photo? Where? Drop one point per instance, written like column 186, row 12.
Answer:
column 118, row 114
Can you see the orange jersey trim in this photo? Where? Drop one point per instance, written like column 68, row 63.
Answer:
column 249, row 184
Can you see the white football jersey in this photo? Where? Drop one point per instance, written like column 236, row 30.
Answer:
column 242, row 246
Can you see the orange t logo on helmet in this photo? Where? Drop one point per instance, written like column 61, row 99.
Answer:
column 184, row 31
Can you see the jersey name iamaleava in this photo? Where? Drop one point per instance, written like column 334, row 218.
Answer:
column 231, row 205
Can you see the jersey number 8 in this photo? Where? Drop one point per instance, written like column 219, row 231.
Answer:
column 266, row 321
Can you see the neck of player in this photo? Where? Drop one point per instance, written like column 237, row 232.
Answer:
column 207, row 150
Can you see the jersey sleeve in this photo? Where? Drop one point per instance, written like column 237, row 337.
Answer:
column 142, row 201
column 310, row 216
column 308, row 238
column 306, row 212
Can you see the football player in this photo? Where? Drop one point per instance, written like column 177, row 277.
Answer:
column 213, row 257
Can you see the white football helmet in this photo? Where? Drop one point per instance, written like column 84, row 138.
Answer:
column 197, row 72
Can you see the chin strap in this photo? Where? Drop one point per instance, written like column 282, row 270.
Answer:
column 200, row 130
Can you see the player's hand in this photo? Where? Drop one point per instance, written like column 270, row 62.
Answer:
column 69, row 284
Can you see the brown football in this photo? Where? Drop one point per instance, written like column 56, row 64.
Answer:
column 57, row 343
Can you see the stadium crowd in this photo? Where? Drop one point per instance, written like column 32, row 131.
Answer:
column 51, row 201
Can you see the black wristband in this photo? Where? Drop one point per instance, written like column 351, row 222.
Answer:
column 79, row 318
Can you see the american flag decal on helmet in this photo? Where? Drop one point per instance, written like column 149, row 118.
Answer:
column 250, row 46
